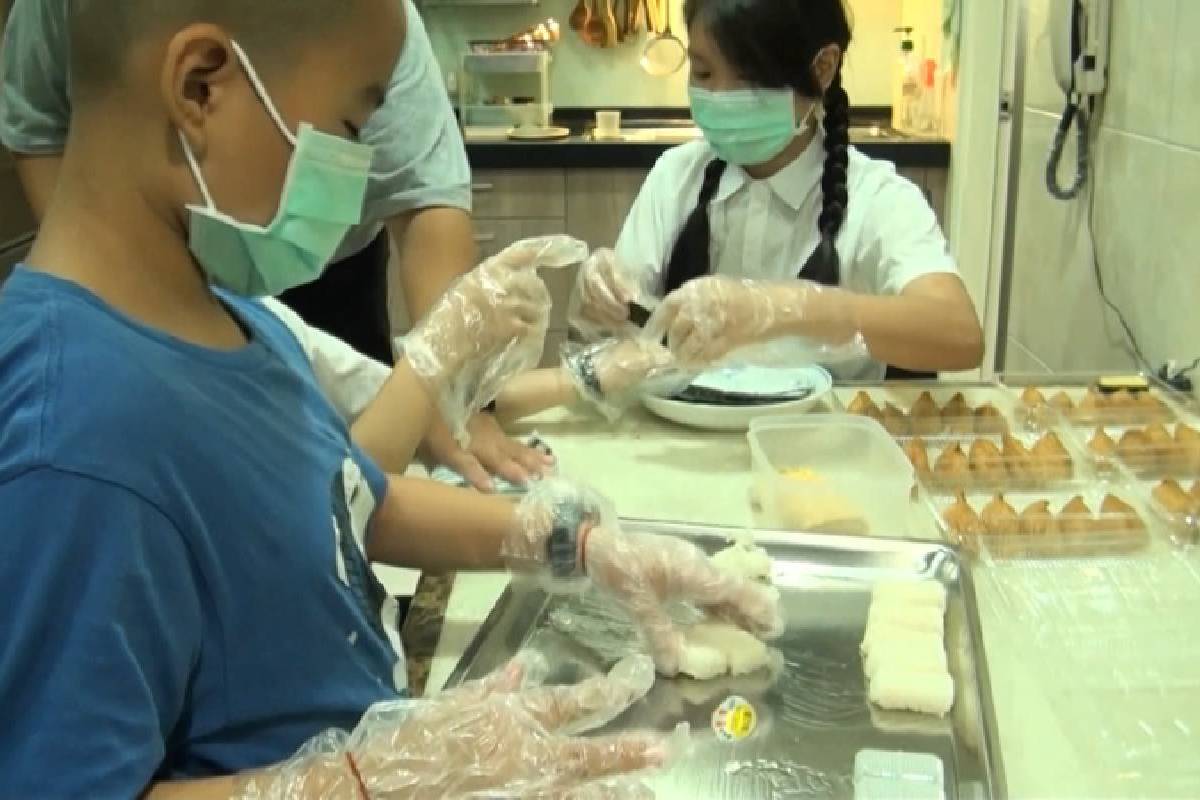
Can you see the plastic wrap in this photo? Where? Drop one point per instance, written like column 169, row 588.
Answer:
column 599, row 305
column 496, row 738
column 716, row 319
column 643, row 572
column 489, row 326
column 611, row 374
column 1113, row 649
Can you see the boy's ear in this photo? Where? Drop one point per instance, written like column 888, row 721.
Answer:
column 197, row 69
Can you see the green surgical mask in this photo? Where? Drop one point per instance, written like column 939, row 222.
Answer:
column 747, row 126
column 321, row 200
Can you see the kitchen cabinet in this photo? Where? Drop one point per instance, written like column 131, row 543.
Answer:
column 590, row 204
column 519, row 193
column 932, row 181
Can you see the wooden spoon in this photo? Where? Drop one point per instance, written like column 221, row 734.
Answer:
column 578, row 16
column 609, row 20
column 593, row 29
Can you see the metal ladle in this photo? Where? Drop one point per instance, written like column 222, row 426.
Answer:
column 665, row 53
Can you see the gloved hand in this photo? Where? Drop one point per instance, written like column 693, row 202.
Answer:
column 707, row 318
column 490, row 738
column 600, row 303
column 489, row 326
column 643, row 572
column 611, row 373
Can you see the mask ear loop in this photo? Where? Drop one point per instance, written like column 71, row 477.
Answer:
column 261, row 91
column 194, row 165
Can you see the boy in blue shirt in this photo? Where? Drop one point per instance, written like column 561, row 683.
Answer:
column 187, row 525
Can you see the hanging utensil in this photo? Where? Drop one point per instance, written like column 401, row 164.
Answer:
column 593, row 28
column 665, row 53
column 578, row 16
column 609, row 20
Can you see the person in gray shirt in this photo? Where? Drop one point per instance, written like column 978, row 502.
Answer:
column 419, row 197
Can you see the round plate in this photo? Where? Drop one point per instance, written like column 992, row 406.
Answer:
column 738, row 418
column 538, row 133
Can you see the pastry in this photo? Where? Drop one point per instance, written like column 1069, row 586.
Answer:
column 952, row 467
column 989, row 420
column 1037, row 519
column 918, row 455
column 957, row 416
column 1124, row 528
column 864, row 406
column 911, row 593
column 1021, row 465
column 1135, row 450
column 1187, row 447
column 1162, row 445
column 1051, row 460
column 1033, row 398
column 1171, row 496
column 999, row 518
column 1116, row 514
column 1151, row 406
column 1039, row 526
column 1062, row 401
column 964, row 524
column 1123, row 399
column 1101, row 445
column 987, row 463
column 895, row 421
column 1075, row 520
column 1091, row 407
column 925, row 417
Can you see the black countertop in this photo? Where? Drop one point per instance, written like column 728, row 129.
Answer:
column 581, row 151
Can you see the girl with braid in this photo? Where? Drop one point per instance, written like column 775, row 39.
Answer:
column 773, row 228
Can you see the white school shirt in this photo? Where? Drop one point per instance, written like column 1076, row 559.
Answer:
column 767, row 229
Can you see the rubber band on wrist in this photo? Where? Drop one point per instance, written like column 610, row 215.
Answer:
column 358, row 778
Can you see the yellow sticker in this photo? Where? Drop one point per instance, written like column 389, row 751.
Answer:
column 734, row 720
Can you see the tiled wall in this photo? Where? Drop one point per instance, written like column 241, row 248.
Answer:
column 584, row 76
column 1147, row 179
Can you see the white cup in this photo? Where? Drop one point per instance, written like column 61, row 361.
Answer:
column 608, row 124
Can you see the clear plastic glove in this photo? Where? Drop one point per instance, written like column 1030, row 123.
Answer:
column 489, row 326
column 492, row 738
column 611, row 374
column 643, row 572
column 603, row 291
column 715, row 319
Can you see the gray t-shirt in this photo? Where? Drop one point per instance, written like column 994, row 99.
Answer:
column 420, row 160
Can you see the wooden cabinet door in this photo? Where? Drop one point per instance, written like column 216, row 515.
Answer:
column 518, row 194
column 598, row 200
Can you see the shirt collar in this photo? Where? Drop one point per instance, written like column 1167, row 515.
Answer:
column 792, row 184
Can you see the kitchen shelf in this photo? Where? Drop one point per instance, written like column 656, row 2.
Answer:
column 524, row 62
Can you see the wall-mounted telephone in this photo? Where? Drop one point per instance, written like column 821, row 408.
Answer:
column 1079, row 35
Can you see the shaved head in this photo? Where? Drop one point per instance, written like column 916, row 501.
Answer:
column 104, row 31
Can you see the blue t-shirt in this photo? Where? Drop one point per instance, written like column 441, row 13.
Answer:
column 185, row 591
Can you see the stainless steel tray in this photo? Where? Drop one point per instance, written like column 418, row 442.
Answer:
column 812, row 710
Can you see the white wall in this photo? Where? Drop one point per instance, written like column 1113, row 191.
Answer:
column 1147, row 171
column 585, row 76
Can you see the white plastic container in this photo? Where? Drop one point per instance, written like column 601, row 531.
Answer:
column 833, row 474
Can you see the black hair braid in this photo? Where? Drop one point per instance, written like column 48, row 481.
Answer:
column 690, row 256
column 825, row 266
